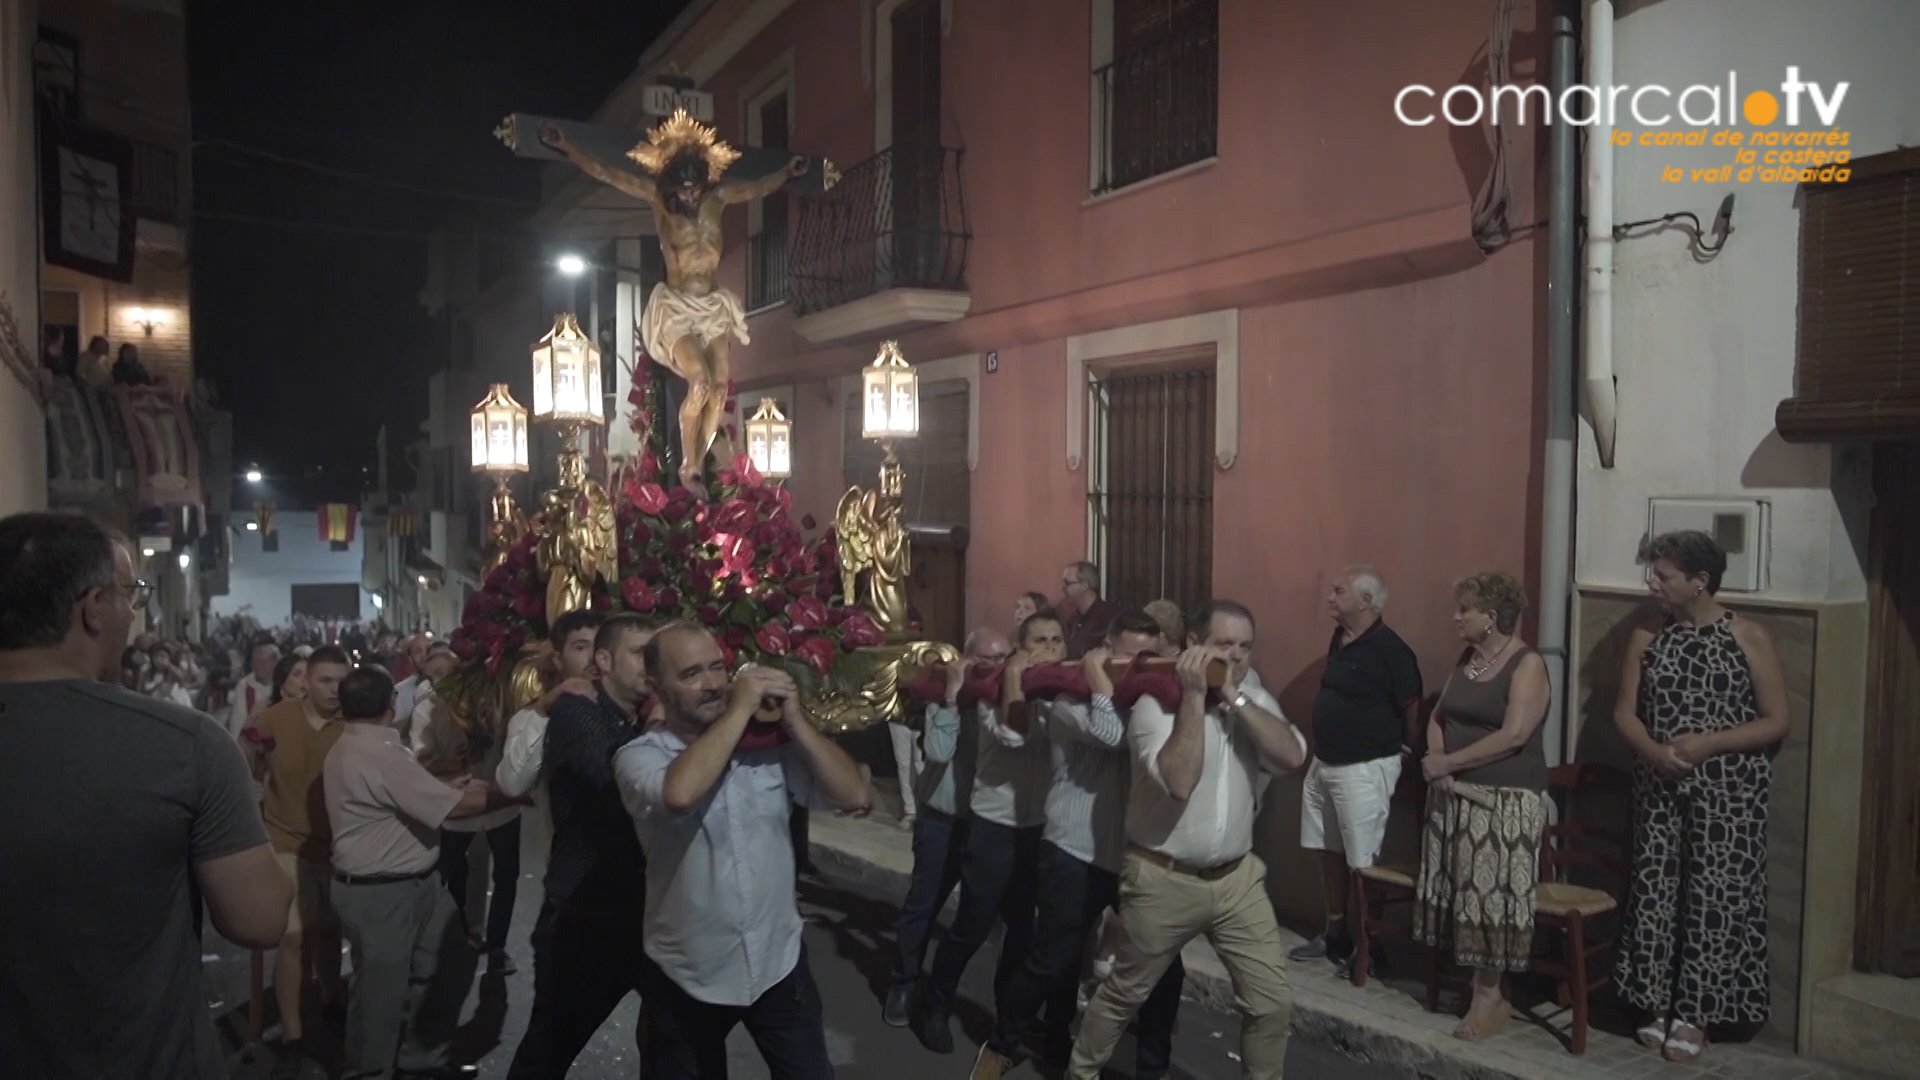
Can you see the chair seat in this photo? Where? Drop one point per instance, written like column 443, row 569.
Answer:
column 1556, row 898
column 1402, row 876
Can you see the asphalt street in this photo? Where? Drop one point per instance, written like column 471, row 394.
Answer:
column 849, row 939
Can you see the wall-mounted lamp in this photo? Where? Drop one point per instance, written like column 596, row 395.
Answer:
column 146, row 318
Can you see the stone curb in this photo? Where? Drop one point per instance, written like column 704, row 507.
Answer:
column 1358, row 1033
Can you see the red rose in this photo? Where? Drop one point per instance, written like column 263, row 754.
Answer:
column 735, row 636
column 709, row 614
column 529, row 606
column 669, row 598
column 807, row 613
column 775, row 600
column 463, row 646
column 773, row 640
column 675, row 512
column 638, row 595
column 817, row 651
column 648, row 498
column 642, row 534
column 860, row 631
column 650, row 568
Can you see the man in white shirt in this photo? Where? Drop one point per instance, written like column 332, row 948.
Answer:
column 406, row 691
column 252, row 693
column 413, row 723
column 1190, row 868
column 520, row 762
column 709, row 802
column 1009, row 813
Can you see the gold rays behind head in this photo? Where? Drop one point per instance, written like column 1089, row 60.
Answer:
column 678, row 134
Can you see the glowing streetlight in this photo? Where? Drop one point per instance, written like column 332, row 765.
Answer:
column 253, row 526
column 253, row 476
column 571, row 265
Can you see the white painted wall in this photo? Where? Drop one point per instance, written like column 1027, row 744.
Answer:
column 23, row 440
column 1703, row 354
column 264, row 581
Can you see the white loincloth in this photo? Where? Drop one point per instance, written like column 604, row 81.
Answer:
column 672, row 315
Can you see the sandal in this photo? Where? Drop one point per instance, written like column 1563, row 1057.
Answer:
column 1685, row 1043
column 1654, row 1035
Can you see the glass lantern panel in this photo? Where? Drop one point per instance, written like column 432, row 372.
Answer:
column 876, row 423
column 779, row 454
column 569, row 380
column 594, row 389
column 543, row 382
column 480, row 439
column 757, row 447
column 499, row 438
column 905, row 414
column 520, row 456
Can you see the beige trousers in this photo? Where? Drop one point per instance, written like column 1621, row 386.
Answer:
column 1161, row 910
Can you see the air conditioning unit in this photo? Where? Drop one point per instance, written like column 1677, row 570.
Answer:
column 1741, row 527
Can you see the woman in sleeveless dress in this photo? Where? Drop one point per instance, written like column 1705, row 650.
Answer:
column 1701, row 700
column 1486, row 773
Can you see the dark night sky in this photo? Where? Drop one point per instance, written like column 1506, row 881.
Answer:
column 307, row 275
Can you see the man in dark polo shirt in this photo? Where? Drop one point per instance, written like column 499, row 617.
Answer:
column 1365, row 718
column 1092, row 614
column 123, row 816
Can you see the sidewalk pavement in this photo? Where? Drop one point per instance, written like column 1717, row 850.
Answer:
column 1383, row 1022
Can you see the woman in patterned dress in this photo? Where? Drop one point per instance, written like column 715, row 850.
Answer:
column 1701, row 700
column 1485, row 808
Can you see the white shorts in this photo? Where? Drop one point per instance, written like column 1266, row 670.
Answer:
column 1354, row 800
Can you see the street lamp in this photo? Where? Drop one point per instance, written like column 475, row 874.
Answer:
column 770, row 440
column 253, row 526
column 500, row 451
column 253, row 475
column 571, row 265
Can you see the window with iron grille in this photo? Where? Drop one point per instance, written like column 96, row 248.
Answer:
column 1857, row 373
column 1150, row 484
column 767, row 248
column 1159, row 94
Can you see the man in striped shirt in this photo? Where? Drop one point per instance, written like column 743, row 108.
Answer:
column 1082, row 847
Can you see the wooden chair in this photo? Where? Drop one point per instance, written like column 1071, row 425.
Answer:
column 1563, row 908
column 1376, row 887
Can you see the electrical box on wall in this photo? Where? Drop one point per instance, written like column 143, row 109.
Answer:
column 1741, row 527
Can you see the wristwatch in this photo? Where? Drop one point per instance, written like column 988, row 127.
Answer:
column 1241, row 701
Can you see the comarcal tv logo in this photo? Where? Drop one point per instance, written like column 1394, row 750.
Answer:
column 1798, row 138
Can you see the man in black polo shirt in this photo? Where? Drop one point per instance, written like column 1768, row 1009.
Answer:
column 1366, row 716
column 586, row 947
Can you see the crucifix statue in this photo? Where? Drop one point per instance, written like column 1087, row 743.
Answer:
column 689, row 317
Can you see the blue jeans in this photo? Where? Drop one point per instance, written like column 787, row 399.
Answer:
column 1072, row 896
column 996, row 884
column 686, row 1039
column 939, row 843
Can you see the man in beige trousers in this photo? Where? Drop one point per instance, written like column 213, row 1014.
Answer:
column 1190, row 870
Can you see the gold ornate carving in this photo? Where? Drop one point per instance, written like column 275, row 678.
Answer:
column 577, row 547
column 506, row 525
column 681, row 133
column 829, row 175
column 873, row 541
column 883, row 697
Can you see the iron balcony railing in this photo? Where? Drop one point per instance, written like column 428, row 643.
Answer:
column 1160, row 102
column 897, row 220
column 767, row 266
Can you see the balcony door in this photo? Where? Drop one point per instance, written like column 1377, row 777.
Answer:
column 1887, row 924
column 914, row 254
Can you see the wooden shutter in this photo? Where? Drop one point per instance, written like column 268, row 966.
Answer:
column 1857, row 377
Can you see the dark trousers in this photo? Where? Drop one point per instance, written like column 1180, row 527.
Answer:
column 504, row 843
column 996, row 884
column 939, row 843
column 1072, row 896
column 585, row 961
column 686, row 1039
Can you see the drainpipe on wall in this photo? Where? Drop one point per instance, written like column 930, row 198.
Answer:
column 1602, row 402
column 1563, row 275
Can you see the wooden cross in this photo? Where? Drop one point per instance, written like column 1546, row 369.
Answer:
column 521, row 134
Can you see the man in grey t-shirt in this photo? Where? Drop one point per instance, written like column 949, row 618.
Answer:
column 122, row 815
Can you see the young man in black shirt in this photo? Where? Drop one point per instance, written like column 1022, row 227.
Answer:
column 1366, row 718
column 586, row 947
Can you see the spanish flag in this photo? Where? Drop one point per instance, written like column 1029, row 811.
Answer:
column 336, row 522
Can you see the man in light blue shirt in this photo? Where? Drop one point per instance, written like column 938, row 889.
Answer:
column 708, row 789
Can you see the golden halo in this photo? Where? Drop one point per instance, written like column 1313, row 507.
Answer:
column 678, row 134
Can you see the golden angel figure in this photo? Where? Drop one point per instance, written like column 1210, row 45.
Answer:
column 873, row 540
column 578, row 546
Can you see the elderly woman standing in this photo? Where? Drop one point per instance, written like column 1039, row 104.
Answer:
column 1701, row 699
column 1485, row 807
